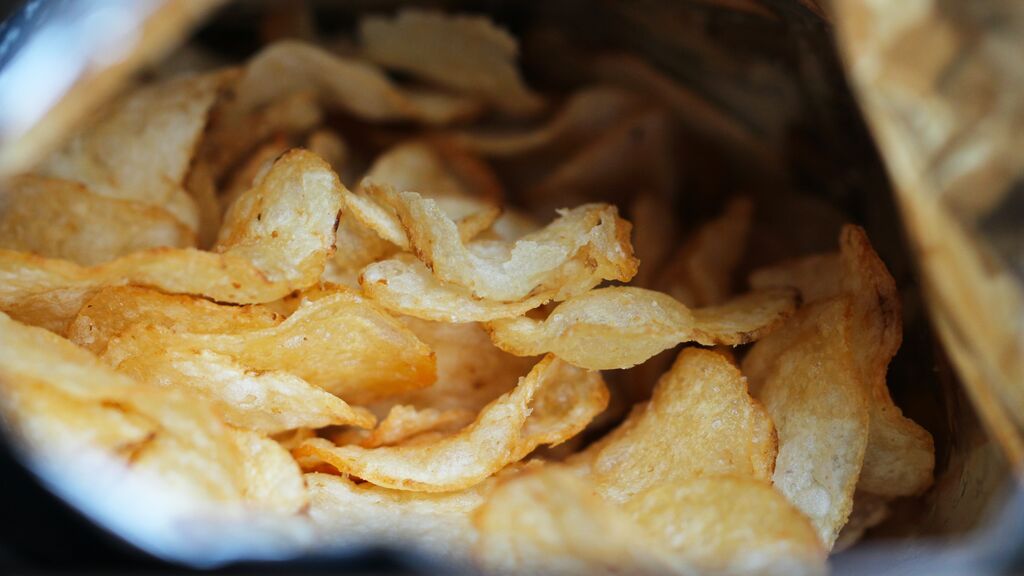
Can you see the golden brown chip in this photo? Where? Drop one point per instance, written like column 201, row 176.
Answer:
column 622, row 326
column 171, row 440
column 354, row 86
column 142, row 148
column 404, row 422
column 201, row 184
column 701, row 273
column 900, row 456
column 700, row 421
column 548, row 522
column 62, row 219
column 330, row 146
column 812, row 391
column 275, row 239
column 654, row 228
column 469, row 54
column 730, row 525
column 868, row 511
column 582, row 247
column 113, row 310
column 471, row 371
column 341, row 343
column 549, row 405
column 255, row 165
column 268, row 401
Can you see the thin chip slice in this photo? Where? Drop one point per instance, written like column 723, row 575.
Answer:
column 900, row 457
column 252, row 169
column 549, row 405
column 547, row 521
column 405, row 286
column 62, row 219
column 142, row 148
column 584, row 246
column 354, row 86
column 268, row 401
column 184, row 451
column 271, row 477
column 471, row 371
column 700, row 421
column 701, row 273
column 469, row 54
column 276, row 239
column 812, row 391
column 730, row 525
column 341, row 343
column 404, row 422
column 868, row 511
column 619, row 327
column 113, row 310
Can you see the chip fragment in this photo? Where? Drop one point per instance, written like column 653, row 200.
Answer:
column 700, row 421
column 552, row 403
column 619, row 327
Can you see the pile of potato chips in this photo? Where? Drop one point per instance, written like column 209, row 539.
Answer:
column 364, row 311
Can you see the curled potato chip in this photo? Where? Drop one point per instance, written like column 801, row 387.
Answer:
column 549, row 405
column 585, row 115
column 700, row 421
column 547, row 521
column 730, row 525
column 275, row 239
column 622, row 326
column 251, row 169
column 341, row 343
column 900, row 456
column 142, row 148
column 62, row 219
column 471, row 371
column 171, row 440
column 364, row 514
column 404, row 422
column 405, row 286
column 701, row 272
column 266, row 401
column 436, row 170
column 583, row 246
column 113, row 310
column 330, row 146
column 468, row 54
column 812, row 390
column 354, row 86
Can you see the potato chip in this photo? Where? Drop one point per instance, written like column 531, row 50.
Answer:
column 113, row 310
column 142, row 148
column 730, row 525
column 405, row 286
column 404, row 422
column 701, row 273
column 251, row 169
column 354, row 86
column 471, row 371
column 426, row 167
column 268, row 401
column 341, row 343
column 900, row 456
column 548, row 522
column 201, row 184
column 468, row 54
column 549, row 405
column 183, row 447
column 276, row 239
column 330, row 146
column 700, row 421
column 583, row 246
column 346, row 513
column 812, row 390
column 868, row 511
column 62, row 219
column 587, row 114
column 622, row 326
